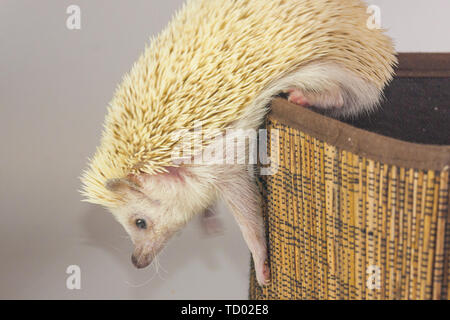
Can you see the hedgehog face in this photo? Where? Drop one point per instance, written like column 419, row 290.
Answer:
column 155, row 207
column 143, row 220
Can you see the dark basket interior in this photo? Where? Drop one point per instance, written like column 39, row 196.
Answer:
column 416, row 107
column 414, row 110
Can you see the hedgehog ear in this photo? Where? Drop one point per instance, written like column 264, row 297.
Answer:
column 122, row 185
column 172, row 175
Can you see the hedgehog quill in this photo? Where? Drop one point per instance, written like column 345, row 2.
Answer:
column 220, row 63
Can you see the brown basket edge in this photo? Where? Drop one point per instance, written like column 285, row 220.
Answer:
column 423, row 65
column 361, row 142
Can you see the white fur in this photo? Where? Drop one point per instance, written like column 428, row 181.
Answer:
column 359, row 95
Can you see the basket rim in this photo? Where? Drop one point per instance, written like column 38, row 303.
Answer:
column 359, row 141
column 423, row 65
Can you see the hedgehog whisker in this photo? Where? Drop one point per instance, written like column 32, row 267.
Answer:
column 158, row 266
column 146, row 282
column 103, row 244
column 155, row 263
column 159, row 263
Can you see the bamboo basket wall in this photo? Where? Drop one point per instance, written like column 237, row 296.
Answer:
column 353, row 214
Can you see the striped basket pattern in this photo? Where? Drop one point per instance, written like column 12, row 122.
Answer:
column 344, row 223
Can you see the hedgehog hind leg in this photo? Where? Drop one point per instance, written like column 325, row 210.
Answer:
column 327, row 99
column 243, row 199
column 327, row 85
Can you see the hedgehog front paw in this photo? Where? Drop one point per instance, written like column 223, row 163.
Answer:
column 262, row 270
column 212, row 225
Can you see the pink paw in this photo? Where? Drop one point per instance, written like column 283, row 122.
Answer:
column 263, row 273
column 297, row 97
column 325, row 100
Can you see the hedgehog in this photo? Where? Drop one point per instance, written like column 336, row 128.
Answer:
column 218, row 64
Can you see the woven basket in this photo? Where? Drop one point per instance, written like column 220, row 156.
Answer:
column 355, row 214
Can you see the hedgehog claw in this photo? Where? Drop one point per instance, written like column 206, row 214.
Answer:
column 263, row 273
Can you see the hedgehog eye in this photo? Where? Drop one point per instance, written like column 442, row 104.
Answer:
column 141, row 224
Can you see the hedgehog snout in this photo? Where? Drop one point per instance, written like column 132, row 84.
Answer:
column 141, row 257
column 140, row 262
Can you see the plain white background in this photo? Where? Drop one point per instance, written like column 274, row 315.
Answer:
column 54, row 87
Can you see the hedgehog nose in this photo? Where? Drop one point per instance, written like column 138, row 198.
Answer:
column 140, row 261
column 134, row 260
